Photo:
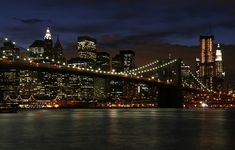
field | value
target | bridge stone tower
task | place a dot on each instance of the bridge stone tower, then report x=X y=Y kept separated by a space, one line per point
x=172 y=96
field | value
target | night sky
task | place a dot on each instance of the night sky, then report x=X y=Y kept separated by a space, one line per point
x=152 y=28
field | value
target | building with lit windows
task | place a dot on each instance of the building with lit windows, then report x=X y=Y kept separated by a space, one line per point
x=197 y=67
x=36 y=51
x=211 y=65
x=43 y=85
x=9 y=78
x=207 y=61
x=123 y=62
x=86 y=49
x=9 y=51
x=45 y=51
x=101 y=85
x=103 y=61
x=117 y=63
x=86 y=57
x=219 y=69
x=48 y=45
x=128 y=59
x=116 y=86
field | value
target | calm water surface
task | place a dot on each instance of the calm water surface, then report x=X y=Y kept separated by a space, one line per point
x=114 y=129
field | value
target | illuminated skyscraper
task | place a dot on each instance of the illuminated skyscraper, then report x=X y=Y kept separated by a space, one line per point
x=207 y=57
x=86 y=48
x=101 y=85
x=48 y=45
x=219 y=69
x=207 y=62
x=211 y=70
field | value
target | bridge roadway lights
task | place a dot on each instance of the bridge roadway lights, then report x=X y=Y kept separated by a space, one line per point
x=170 y=97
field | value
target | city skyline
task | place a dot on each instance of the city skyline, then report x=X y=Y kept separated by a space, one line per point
x=48 y=35
x=163 y=28
x=117 y=74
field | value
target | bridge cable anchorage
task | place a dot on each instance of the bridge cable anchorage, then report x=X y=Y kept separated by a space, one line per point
x=150 y=67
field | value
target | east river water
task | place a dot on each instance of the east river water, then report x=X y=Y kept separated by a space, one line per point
x=118 y=129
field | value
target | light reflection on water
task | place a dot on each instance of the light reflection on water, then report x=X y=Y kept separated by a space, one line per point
x=64 y=129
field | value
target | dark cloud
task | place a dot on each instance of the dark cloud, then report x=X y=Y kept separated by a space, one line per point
x=32 y=20
x=82 y=29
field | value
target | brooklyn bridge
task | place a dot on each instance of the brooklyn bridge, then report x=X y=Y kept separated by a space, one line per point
x=170 y=88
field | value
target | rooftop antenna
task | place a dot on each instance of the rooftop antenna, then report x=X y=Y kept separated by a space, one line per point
x=210 y=31
x=169 y=56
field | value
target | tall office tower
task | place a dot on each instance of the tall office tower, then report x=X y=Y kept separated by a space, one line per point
x=101 y=85
x=9 y=78
x=128 y=59
x=30 y=83
x=58 y=50
x=207 y=62
x=103 y=61
x=117 y=63
x=36 y=51
x=116 y=86
x=61 y=78
x=128 y=63
x=219 y=69
x=48 y=45
x=123 y=62
x=86 y=50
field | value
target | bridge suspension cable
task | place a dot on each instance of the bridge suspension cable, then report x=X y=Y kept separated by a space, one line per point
x=196 y=79
x=150 y=67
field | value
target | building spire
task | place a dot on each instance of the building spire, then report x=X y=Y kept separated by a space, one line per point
x=48 y=34
x=58 y=38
